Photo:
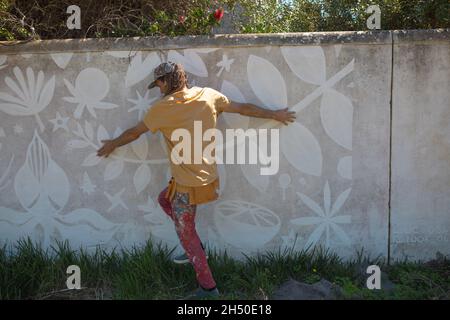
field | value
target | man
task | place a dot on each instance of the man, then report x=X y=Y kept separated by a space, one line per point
x=191 y=183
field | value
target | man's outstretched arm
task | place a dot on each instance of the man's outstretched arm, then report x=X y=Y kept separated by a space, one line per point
x=126 y=137
x=248 y=109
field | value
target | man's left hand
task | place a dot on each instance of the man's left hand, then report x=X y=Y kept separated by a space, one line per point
x=284 y=116
x=106 y=149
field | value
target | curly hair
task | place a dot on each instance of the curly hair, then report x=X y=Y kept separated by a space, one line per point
x=175 y=80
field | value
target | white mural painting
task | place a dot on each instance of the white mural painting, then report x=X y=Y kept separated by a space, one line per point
x=31 y=95
x=62 y=59
x=326 y=218
x=115 y=165
x=140 y=69
x=91 y=86
x=3 y=61
x=225 y=63
x=284 y=180
x=245 y=225
x=191 y=60
x=141 y=103
x=87 y=186
x=43 y=188
x=4 y=181
x=59 y=122
x=336 y=112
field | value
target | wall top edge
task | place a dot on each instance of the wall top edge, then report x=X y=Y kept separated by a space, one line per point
x=223 y=40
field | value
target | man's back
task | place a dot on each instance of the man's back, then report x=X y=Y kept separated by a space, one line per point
x=195 y=110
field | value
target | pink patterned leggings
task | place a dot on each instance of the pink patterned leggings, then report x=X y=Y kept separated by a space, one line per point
x=183 y=215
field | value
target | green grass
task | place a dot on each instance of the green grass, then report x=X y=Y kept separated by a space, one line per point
x=147 y=272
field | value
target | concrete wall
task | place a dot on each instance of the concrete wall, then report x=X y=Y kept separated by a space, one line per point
x=351 y=177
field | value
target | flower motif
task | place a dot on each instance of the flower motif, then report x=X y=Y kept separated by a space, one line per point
x=32 y=96
x=326 y=218
x=91 y=86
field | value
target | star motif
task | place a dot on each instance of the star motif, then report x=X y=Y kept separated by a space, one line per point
x=116 y=200
x=225 y=63
x=59 y=122
x=141 y=103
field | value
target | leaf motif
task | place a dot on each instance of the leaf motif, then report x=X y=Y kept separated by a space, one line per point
x=46 y=94
x=57 y=185
x=113 y=170
x=40 y=176
x=191 y=61
x=336 y=113
x=84 y=216
x=91 y=160
x=62 y=59
x=327 y=198
x=89 y=130
x=307 y=62
x=311 y=204
x=79 y=130
x=139 y=70
x=267 y=83
x=10 y=98
x=102 y=134
x=15 y=88
x=301 y=149
x=30 y=77
x=24 y=89
x=340 y=201
x=105 y=105
x=315 y=236
x=14 y=109
x=234 y=120
x=140 y=147
x=142 y=177
x=341 y=234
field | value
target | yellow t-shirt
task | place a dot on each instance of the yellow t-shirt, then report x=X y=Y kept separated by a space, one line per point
x=180 y=110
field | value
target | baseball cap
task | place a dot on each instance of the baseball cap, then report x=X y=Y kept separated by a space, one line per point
x=161 y=70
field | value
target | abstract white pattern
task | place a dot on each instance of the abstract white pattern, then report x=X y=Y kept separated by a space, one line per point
x=236 y=218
